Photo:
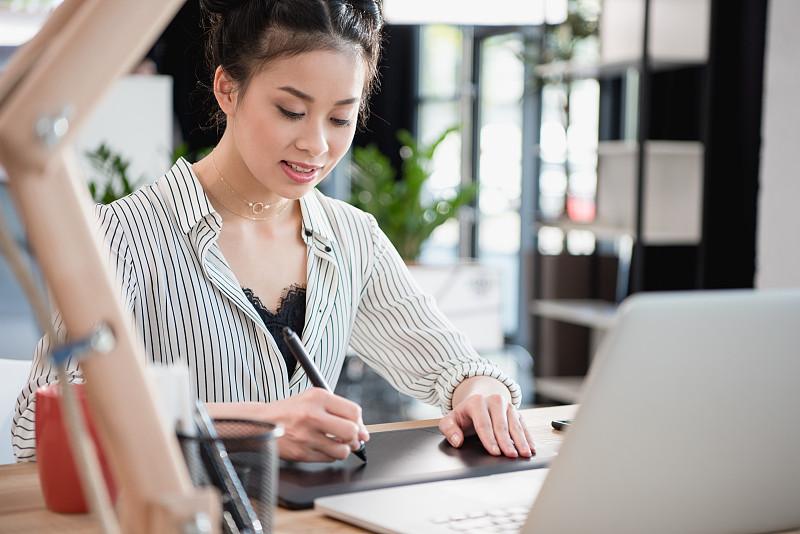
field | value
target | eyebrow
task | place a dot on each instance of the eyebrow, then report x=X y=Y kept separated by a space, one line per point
x=308 y=98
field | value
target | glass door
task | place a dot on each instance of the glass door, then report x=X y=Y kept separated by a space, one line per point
x=498 y=157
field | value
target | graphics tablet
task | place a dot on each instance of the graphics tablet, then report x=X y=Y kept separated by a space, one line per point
x=395 y=458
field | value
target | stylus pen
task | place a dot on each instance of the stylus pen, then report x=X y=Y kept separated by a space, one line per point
x=313 y=373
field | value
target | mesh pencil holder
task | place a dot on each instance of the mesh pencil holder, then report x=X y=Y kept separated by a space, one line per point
x=252 y=449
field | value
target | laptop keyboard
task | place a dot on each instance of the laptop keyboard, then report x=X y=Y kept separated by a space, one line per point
x=485 y=522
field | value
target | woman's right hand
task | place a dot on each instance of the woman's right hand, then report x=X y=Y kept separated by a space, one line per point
x=310 y=420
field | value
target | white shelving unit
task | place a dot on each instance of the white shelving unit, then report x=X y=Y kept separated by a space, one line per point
x=649 y=191
x=672 y=190
x=564 y=389
x=596 y=315
x=585 y=312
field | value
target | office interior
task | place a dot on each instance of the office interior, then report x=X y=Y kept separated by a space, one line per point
x=607 y=164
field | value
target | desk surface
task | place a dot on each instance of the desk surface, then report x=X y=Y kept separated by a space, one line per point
x=22 y=506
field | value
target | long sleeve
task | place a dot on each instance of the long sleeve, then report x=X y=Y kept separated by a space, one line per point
x=42 y=371
x=188 y=309
x=403 y=335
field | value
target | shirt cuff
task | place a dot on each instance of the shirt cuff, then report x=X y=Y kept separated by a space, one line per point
x=450 y=380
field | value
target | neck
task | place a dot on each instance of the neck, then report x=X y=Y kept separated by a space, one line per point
x=227 y=200
x=253 y=208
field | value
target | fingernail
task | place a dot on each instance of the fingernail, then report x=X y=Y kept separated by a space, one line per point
x=455 y=440
x=495 y=450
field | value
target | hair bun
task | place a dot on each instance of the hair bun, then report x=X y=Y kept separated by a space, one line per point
x=220 y=7
x=371 y=8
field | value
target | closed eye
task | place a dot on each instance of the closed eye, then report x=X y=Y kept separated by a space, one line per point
x=341 y=122
x=290 y=114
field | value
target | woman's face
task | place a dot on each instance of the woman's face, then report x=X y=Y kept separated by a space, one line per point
x=296 y=120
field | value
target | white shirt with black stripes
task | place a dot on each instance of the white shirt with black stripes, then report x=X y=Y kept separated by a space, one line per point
x=189 y=309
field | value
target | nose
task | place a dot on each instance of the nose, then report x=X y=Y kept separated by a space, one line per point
x=312 y=139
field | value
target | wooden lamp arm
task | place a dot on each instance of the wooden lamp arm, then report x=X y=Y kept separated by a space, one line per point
x=83 y=48
x=74 y=60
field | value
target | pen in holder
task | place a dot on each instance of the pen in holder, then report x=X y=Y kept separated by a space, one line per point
x=240 y=458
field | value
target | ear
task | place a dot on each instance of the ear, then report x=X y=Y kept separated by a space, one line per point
x=225 y=91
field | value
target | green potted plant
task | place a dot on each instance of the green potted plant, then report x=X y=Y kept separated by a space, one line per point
x=114 y=181
x=400 y=205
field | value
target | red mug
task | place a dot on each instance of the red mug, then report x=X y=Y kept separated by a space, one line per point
x=58 y=476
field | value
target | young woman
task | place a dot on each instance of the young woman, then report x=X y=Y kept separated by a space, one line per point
x=215 y=258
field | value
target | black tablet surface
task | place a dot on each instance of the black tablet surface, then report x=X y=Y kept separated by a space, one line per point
x=396 y=458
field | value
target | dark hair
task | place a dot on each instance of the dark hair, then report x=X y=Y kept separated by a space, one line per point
x=244 y=35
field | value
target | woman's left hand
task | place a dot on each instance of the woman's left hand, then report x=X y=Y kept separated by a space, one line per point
x=482 y=406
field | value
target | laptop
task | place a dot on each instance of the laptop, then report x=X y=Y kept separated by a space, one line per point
x=689 y=422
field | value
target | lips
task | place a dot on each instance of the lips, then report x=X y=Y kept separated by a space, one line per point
x=299 y=172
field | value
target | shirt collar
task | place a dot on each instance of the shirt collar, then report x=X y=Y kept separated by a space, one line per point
x=315 y=221
x=185 y=196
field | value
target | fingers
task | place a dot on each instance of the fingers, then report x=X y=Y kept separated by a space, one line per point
x=451 y=430
x=510 y=431
x=350 y=411
x=519 y=433
x=489 y=421
x=497 y=423
x=311 y=447
x=321 y=427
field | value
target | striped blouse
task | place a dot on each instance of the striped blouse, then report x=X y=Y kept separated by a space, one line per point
x=190 y=310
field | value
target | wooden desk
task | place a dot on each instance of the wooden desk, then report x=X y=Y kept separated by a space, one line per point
x=22 y=507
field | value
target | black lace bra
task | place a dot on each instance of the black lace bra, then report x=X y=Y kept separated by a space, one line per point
x=291 y=312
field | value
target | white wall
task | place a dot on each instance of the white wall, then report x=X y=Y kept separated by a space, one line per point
x=778 y=241
x=134 y=119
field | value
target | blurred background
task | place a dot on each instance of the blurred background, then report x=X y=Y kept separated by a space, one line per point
x=558 y=155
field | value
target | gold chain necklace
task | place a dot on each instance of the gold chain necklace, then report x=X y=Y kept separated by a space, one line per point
x=285 y=205
x=257 y=208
